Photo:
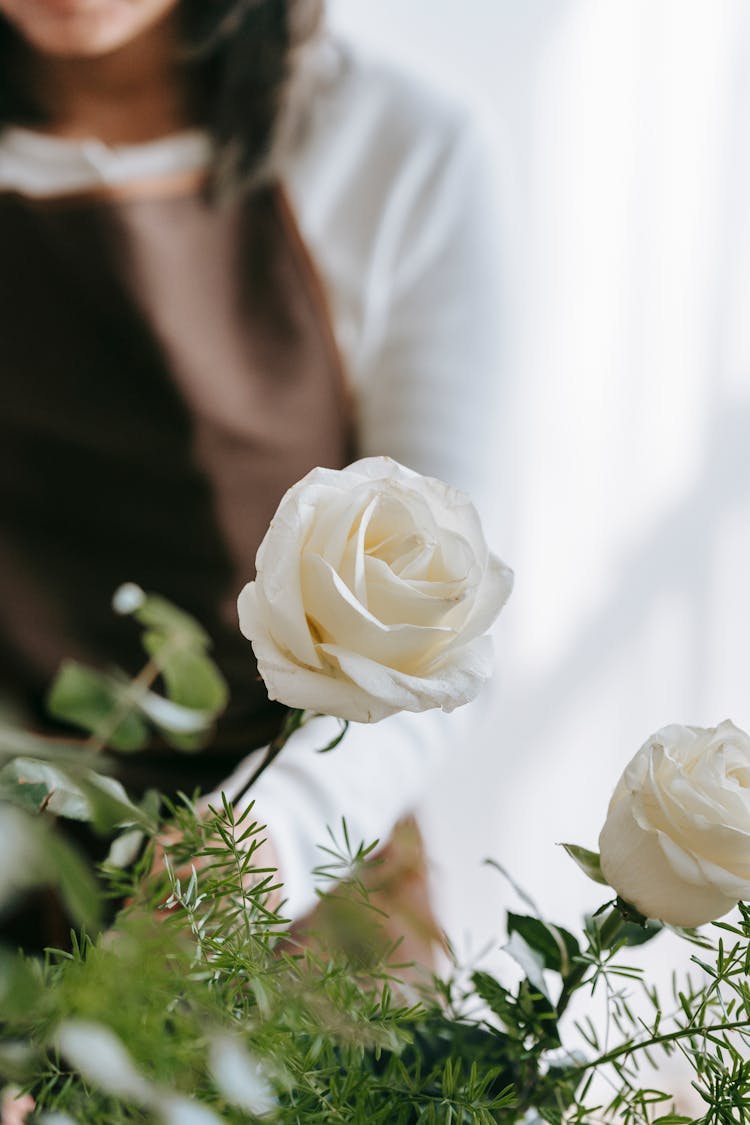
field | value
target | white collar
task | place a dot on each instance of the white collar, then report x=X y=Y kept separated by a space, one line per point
x=40 y=164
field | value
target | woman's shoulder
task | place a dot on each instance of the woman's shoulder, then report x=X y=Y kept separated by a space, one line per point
x=387 y=178
x=393 y=96
x=362 y=117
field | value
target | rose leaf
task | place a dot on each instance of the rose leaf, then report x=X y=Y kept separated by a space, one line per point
x=588 y=862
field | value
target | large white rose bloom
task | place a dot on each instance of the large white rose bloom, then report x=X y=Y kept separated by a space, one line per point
x=374 y=590
x=676 y=842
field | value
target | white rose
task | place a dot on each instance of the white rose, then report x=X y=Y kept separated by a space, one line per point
x=374 y=588
x=676 y=842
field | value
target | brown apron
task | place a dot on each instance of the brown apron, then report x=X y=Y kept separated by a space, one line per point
x=167 y=371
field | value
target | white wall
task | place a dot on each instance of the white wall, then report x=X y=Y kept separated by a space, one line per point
x=624 y=479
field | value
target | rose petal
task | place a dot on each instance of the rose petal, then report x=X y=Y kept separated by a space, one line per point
x=699 y=872
x=343 y=621
x=493 y=593
x=279 y=588
x=634 y=863
x=393 y=600
x=326 y=691
x=353 y=562
x=338 y=518
x=452 y=684
x=734 y=883
x=253 y=612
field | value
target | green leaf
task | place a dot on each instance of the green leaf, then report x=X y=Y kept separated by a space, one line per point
x=188 y=743
x=60 y=795
x=540 y=1014
x=556 y=1090
x=23 y=840
x=589 y=862
x=190 y=676
x=16 y=743
x=181 y=727
x=695 y=937
x=109 y=805
x=125 y=848
x=556 y=946
x=92 y=700
x=155 y=612
x=338 y=738
x=34 y=855
x=551 y=1114
x=530 y=961
x=173 y=717
x=26 y=795
x=77 y=885
x=517 y=888
x=637 y=933
x=19 y=1061
x=74 y=794
x=20 y=988
x=496 y=997
x=196 y=691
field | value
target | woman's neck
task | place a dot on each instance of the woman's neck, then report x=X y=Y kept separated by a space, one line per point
x=132 y=95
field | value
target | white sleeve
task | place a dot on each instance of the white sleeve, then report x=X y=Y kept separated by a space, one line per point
x=430 y=386
x=373 y=778
x=426 y=393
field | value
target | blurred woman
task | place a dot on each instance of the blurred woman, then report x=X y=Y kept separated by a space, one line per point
x=232 y=250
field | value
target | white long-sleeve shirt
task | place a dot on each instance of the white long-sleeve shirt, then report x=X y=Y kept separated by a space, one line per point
x=394 y=198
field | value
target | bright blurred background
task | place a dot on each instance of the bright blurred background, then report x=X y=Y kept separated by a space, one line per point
x=620 y=129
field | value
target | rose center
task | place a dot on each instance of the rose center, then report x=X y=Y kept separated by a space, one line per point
x=740 y=774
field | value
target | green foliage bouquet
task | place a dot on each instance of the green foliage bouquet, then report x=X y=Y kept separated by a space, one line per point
x=184 y=996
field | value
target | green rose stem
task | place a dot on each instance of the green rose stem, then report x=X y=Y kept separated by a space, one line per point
x=608 y=932
x=292 y=722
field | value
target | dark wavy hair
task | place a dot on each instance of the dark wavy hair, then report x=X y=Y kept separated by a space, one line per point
x=241 y=56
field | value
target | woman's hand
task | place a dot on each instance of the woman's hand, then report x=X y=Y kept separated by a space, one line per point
x=15 y=1107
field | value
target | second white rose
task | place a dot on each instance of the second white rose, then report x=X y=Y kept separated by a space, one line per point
x=676 y=842
x=374 y=590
